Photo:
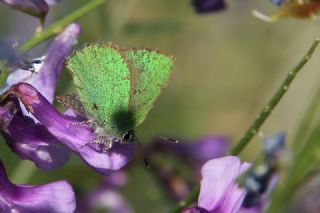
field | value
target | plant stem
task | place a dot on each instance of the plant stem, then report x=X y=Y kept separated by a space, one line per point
x=254 y=128
x=188 y=200
x=306 y=123
x=57 y=27
x=267 y=110
x=305 y=159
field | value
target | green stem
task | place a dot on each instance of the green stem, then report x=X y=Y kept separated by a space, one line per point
x=304 y=161
x=267 y=110
x=57 y=27
x=254 y=128
x=192 y=197
x=306 y=123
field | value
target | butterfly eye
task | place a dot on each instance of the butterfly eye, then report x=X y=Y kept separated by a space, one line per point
x=129 y=136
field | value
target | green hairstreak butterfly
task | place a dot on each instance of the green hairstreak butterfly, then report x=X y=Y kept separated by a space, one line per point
x=118 y=87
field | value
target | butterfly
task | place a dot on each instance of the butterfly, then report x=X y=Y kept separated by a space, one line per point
x=116 y=88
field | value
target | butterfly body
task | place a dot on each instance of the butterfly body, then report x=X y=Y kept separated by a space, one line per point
x=118 y=87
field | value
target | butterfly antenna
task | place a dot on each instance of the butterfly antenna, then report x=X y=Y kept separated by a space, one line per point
x=166 y=139
x=145 y=160
x=146 y=163
x=160 y=137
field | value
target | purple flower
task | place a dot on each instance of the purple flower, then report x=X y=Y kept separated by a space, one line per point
x=219 y=191
x=38 y=8
x=29 y=139
x=73 y=136
x=273 y=145
x=289 y=8
x=193 y=153
x=47 y=73
x=260 y=181
x=54 y=124
x=204 y=6
x=258 y=189
x=107 y=196
x=278 y=2
x=52 y=2
x=32 y=141
x=306 y=197
x=54 y=197
x=199 y=151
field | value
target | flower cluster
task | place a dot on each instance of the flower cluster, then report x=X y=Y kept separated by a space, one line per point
x=205 y=6
x=37 y=8
x=36 y=131
x=221 y=194
x=53 y=197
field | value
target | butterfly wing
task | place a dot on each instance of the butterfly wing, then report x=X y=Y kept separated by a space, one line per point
x=150 y=73
x=102 y=78
x=72 y=101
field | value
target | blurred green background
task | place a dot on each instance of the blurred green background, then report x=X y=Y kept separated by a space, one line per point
x=228 y=65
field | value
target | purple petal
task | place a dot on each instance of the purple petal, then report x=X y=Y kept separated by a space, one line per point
x=235 y=196
x=52 y=2
x=233 y=200
x=203 y=149
x=107 y=199
x=263 y=200
x=279 y=2
x=106 y=196
x=200 y=151
x=254 y=209
x=203 y=6
x=218 y=177
x=208 y=148
x=33 y=142
x=47 y=75
x=194 y=210
x=116 y=179
x=38 y=8
x=5 y=117
x=55 y=197
x=306 y=196
x=73 y=136
x=59 y=50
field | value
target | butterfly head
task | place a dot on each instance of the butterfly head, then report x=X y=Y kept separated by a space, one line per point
x=128 y=137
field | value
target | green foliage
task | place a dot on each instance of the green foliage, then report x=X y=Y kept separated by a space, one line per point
x=4 y=72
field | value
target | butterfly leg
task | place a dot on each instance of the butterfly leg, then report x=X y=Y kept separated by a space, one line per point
x=107 y=144
x=106 y=141
x=91 y=142
x=87 y=122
